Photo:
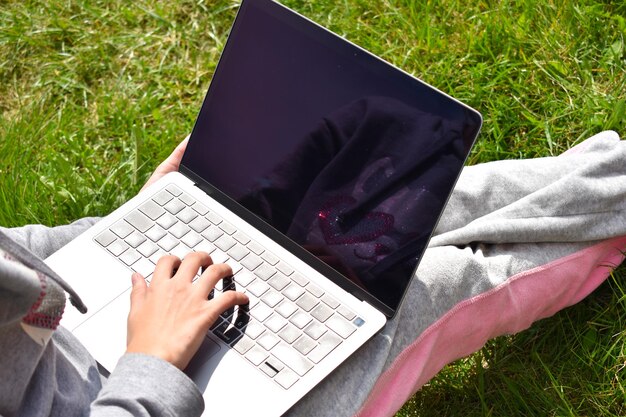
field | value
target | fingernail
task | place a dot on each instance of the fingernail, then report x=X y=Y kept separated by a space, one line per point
x=135 y=278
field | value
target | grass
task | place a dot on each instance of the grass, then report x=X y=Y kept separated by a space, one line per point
x=94 y=93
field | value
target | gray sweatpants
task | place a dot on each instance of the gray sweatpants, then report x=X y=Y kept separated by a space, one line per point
x=519 y=240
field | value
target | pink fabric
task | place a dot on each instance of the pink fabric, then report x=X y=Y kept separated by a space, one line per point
x=511 y=307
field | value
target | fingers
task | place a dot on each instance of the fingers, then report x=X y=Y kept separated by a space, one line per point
x=227 y=300
x=192 y=263
x=165 y=269
x=138 y=291
x=177 y=154
x=211 y=275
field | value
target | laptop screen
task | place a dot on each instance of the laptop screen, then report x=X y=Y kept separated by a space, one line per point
x=341 y=152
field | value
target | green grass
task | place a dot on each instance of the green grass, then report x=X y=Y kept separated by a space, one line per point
x=94 y=94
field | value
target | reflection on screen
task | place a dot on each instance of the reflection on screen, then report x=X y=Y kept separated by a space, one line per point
x=346 y=156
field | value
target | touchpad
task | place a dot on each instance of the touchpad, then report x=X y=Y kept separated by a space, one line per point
x=207 y=349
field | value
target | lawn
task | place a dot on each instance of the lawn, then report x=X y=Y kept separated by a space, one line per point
x=93 y=94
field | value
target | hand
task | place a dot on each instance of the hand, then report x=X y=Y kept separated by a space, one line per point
x=170 y=318
x=170 y=164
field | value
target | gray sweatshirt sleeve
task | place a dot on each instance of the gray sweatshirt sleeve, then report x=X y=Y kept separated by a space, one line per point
x=143 y=385
x=44 y=370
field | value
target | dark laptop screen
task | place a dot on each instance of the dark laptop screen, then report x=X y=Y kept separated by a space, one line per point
x=345 y=155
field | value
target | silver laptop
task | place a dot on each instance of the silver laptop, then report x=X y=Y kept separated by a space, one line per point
x=318 y=172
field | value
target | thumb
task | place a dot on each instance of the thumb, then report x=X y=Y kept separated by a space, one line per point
x=138 y=290
x=177 y=155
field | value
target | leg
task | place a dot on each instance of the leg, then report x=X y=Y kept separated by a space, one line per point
x=43 y=241
x=519 y=240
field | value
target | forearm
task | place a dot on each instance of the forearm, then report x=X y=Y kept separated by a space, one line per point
x=143 y=385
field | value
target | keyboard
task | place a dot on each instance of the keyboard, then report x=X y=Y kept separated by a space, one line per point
x=290 y=324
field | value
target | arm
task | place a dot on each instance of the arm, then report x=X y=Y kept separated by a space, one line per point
x=166 y=325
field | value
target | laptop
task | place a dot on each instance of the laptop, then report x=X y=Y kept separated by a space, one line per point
x=318 y=172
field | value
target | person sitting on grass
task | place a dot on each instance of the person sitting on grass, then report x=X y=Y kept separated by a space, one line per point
x=519 y=240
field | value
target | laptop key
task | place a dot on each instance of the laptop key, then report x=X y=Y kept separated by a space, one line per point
x=181 y=250
x=105 y=238
x=187 y=214
x=205 y=246
x=191 y=239
x=167 y=243
x=261 y=311
x=174 y=206
x=122 y=229
x=162 y=197
x=346 y=312
x=139 y=221
x=155 y=233
x=315 y=330
x=241 y=237
x=302 y=281
x=255 y=248
x=307 y=302
x=257 y=288
x=154 y=258
x=199 y=224
x=200 y=208
x=275 y=363
x=130 y=256
x=117 y=247
x=166 y=221
x=135 y=239
x=326 y=344
x=151 y=209
x=244 y=277
x=235 y=266
x=264 y=271
x=322 y=312
x=242 y=318
x=267 y=341
x=227 y=227
x=225 y=242
x=340 y=326
x=218 y=257
x=284 y=268
x=278 y=281
x=144 y=267
x=251 y=262
x=275 y=323
x=227 y=333
x=271 y=298
x=330 y=301
x=315 y=290
x=293 y=291
x=174 y=190
x=147 y=248
x=213 y=218
x=286 y=378
x=256 y=355
x=253 y=329
x=289 y=333
x=304 y=344
x=243 y=344
x=212 y=233
x=186 y=198
x=270 y=258
x=300 y=319
x=292 y=358
x=286 y=309
x=268 y=370
x=179 y=230
x=238 y=252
